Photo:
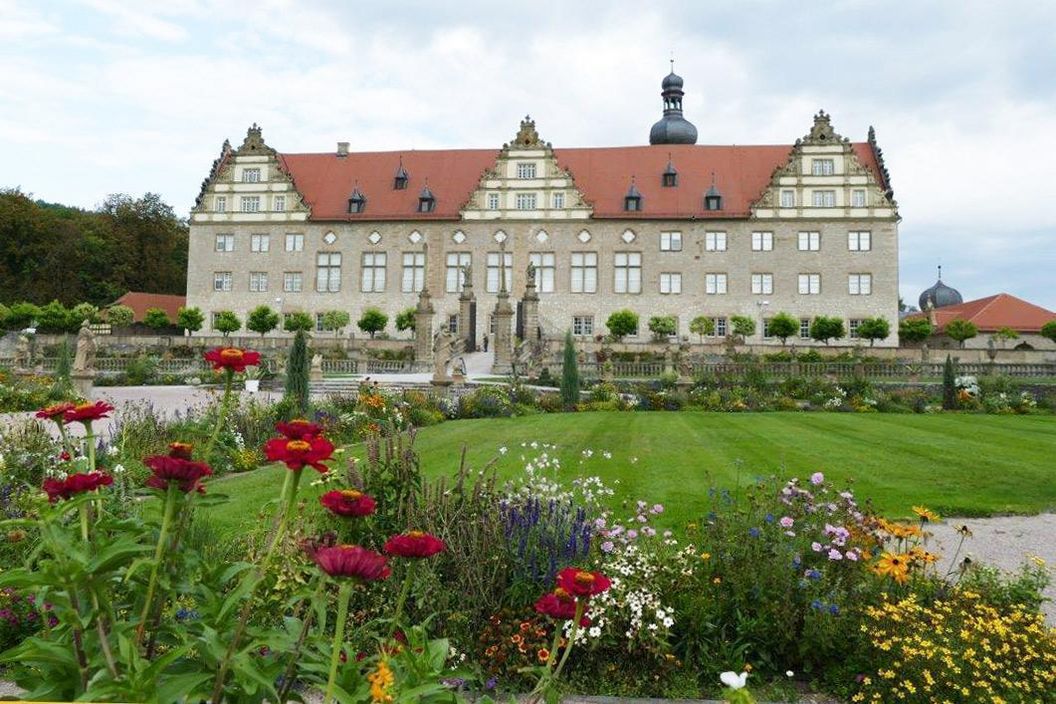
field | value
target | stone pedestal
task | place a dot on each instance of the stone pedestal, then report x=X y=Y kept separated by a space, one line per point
x=467 y=314
x=83 y=383
x=423 y=331
x=316 y=371
x=530 y=306
x=503 y=343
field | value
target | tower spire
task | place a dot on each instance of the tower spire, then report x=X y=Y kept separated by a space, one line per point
x=672 y=128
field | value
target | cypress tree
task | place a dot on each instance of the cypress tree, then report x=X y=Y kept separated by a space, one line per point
x=63 y=386
x=949 y=385
x=570 y=373
x=297 y=370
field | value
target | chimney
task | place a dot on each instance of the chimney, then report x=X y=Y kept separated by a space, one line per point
x=342 y=148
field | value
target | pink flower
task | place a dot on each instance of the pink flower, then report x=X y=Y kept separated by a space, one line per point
x=817 y=478
x=815 y=546
x=658 y=508
x=835 y=554
x=851 y=555
x=632 y=534
x=787 y=522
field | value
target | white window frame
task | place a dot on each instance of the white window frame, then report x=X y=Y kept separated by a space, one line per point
x=557 y=200
x=671 y=282
x=809 y=284
x=671 y=241
x=788 y=198
x=721 y=327
x=251 y=174
x=716 y=284
x=860 y=284
x=412 y=279
x=493 y=201
x=859 y=241
x=809 y=241
x=372 y=272
x=294 y=242
x=525 y=201
x=292 y=281
x=249 y=204
x=220 y=204
x=822 y=167
x=260 y=243
x=584 y=272
x=627 y=272
x=715 y=241
x=453 y=273
x=225 y=243
x=804 y=328
x=824 y=198
x=258 y=281
x=493 y=279
x=852 y=328
x=222 y=281
x=279 y=204
x=763 y=241
x=328 y=272
x=526 y=169
x=545 y=270
x=762 y=284
x=858 y=198
x=583 y=325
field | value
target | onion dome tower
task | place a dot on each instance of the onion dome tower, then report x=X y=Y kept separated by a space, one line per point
x=939 y=295
x=672 y=128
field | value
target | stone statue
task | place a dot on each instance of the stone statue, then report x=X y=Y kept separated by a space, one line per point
x=442 y=352
x=316 y=372
x=925 y=353
x=84 y=359
x=530 y=275
x=467 y=276
x=22 y=353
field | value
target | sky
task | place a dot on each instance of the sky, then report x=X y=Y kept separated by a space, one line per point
x=110 y=96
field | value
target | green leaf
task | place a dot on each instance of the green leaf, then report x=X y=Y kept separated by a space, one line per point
x=179 y=687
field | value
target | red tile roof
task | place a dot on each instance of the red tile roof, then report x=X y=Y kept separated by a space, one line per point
x=993 y=313
x=139 y=302
x=602 y=174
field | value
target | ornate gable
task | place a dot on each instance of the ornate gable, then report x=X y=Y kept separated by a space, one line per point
x=526 y=183
x=249 y=184
x=825 y=178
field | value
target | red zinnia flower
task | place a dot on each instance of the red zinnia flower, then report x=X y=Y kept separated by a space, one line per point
x=352 y=561
x=348 y=502
x=414 y=543
x=560 y=606
x=181 y=450
x=299 y=429
x=298 y=453
x=171 y=468
x=87 y=412
x=579 y=582
x=75 y=484
x=232 y=359
x=55 y=411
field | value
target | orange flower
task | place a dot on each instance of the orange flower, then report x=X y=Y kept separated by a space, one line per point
x=543 y=654
x=516 y=638
x=926 y=515
x=894 y=566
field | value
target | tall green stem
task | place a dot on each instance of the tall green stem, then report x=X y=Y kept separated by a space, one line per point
x=84 y=522
x=402 y=600
x=65 y=437
x=339 y=638
x=166 y=522
x=580 y=607
x=89 y=441
x=225 y=405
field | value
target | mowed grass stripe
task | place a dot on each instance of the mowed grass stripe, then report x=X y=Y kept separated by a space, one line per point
x=957 y=464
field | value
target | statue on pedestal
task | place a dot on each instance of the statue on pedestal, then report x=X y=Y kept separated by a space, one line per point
x=84 y=358
x=467 y=276
x=529 y=275
x=316 y=372
x=22 y=354
x=442 y=353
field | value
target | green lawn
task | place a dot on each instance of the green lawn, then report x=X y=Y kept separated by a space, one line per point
x=957 y=464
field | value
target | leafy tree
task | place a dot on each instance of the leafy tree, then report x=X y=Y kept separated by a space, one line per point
x=914 y=330
x=54 y=317
x=663 y=326
x=120 y=316
x=190 y=319
x=949 y=385
x=622 y=323
x=156 y=319
x=81 y=312
x=570 y=373
x=960 y=330
x=297 y=374
x=1005 y=334
x=227 y=322
x=783 y=326
x=4 y=312
x=742 y=325
x=1049 y=330
x=824 y=328
x=22 y=315
x=874 y=329
x=336 y=320
x=405 y=319
x=262 y=319
x=297 y=321
x=702 y=325
x=372 y=321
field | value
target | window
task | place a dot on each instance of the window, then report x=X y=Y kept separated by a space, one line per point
x=291 y=282
x=221 y=280
x=715 y=241
x=413 y=272
x=225 y=243
x=584 y=272
x=492 y=283
x=715 y=284
x=452 y=323
x=809 y=241
x=669 y=179
x=852 y=328
x=319 y=325
x=525 y=169
x=809 y=284
x=859 y=241
x=258 y=281
x=544 y=271
x=250 y=175
x=557 y=200
x=453 y=278
x=249 y=204
x=220 y=204
x=357 y=203
x=671 y=283
x=824 y=199
x=670 y=241
x=583 y=325
x=858 y=198
x=214 y=318
x=328 y=272
x=720 y=327
x=426 y=202
x=493 y=201
x=762 y=284
x=860 y=284
x=822 y=167
x=632 y=203
x=372 y=279
x=525 y=201
x=788 y=199
x=259 y=243
x=766 y=329
x=804 y=328
x=294 y=242
x=280 y=203
x=762 y=241
x=627 y=272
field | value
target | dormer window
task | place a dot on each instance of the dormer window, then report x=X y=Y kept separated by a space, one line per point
x=525 y=169
x=669 y=179
x=357 y=202
x=713 y=199
x=399 y=181
x=632 y=202
x=250 y=175
x=426 y=201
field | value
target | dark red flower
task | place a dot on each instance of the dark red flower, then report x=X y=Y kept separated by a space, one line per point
x=579 y=582
x=232 y=359
x=87 y=412
x=75 y=484
x=56 y=411
x=299 y=429
x=414 y=543
x=560 y=606
x=348 y=502
x=181 y=450
x=184 y=473
x=299 y=453
x=354 y=562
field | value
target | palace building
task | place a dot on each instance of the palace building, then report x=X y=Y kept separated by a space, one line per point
x=669 y=228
